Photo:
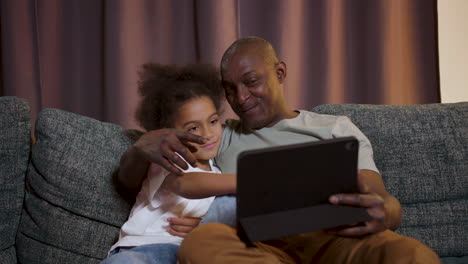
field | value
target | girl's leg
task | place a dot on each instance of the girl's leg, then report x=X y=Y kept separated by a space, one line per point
x=146 y=254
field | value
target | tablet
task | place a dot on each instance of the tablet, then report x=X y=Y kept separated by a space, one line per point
x=284 y=190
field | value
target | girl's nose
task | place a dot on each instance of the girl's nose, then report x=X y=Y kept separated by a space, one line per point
x=208 y=134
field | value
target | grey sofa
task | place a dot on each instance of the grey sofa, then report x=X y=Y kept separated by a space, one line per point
x=59 y=203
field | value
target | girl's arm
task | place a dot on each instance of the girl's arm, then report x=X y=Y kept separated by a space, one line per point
x=197 y=185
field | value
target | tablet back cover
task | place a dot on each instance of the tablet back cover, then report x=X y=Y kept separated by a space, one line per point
x=284 y=190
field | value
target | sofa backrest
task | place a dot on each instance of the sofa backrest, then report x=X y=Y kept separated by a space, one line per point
x=72 y=211
x=422 y=154
x=15 y=140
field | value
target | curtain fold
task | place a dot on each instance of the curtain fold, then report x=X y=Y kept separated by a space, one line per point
x=84 y=55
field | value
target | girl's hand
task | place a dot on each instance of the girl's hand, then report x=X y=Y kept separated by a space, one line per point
x=181 y=226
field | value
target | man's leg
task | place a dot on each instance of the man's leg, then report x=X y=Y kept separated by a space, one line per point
x=218 y=243
x=384 y=247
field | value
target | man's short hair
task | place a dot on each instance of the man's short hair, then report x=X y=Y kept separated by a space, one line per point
x=263 y=45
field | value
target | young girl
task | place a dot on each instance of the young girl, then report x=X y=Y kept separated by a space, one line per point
x=187 y=99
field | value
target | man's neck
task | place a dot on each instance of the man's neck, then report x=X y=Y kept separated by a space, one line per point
x=288 y=114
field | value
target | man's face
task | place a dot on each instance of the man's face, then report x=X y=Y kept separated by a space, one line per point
x=253 y=88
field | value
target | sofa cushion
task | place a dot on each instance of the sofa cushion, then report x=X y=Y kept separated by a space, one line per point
x=454 y=260
x=422 y=153
x=72 y=211
x=15 y=140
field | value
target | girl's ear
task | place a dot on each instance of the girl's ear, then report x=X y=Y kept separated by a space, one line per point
x=281 y=71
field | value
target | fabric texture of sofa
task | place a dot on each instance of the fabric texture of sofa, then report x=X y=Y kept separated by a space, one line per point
x=422 y=154
x=59 y=203
x=15 y=140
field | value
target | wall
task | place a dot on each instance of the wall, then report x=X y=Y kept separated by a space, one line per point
x=453 y=50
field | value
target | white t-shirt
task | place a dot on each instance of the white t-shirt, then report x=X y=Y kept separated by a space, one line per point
x=154 y=204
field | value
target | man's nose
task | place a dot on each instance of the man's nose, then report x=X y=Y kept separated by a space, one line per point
x=243 y=94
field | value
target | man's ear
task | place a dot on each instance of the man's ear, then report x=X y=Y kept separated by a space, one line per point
x=281 y=71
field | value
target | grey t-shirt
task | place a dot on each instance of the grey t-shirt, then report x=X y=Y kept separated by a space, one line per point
x=306 y=127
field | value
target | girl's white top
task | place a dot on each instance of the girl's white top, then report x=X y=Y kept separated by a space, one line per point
x=147 y=222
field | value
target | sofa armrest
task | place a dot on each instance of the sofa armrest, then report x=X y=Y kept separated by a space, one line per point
x=15 y=140
x=72 y=210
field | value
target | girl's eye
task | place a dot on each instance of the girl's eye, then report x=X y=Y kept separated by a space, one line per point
x=192 y=129
x=214 y=121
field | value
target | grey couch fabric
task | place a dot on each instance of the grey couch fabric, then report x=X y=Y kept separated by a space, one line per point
x=72 y=212
x=422 y=154
x=15 y=140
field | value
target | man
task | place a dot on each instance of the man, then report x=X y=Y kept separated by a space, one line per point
x=253 y=79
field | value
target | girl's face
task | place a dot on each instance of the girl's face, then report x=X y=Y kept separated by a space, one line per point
x=199 y=116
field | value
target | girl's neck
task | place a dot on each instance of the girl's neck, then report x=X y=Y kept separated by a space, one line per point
x=204 y=165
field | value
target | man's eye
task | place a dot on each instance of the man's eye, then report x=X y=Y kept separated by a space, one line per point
x=228 y=91
x=250 y=82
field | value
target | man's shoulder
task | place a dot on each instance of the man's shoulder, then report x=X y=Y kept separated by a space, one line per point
x=234 y=126
x=317 y=115
x=232 y=123
x=309 y=117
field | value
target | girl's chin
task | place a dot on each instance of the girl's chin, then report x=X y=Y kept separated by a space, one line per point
x=204 y=159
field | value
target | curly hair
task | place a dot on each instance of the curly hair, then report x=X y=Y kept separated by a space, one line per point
x=164 y=88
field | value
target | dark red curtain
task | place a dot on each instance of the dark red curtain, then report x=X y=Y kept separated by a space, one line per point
x=83 y=55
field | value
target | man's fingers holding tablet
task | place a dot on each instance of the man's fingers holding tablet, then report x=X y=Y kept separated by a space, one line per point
x=359 y=200
x=358 y=230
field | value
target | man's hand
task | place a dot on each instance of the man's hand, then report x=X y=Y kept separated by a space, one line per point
x=384 y=209
x=181 y=226
x=376 y=209
x=160 y=147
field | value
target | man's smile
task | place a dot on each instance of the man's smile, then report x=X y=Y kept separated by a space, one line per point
x=248 y=107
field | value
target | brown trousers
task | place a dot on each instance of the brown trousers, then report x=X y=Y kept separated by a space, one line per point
x=217 y=243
